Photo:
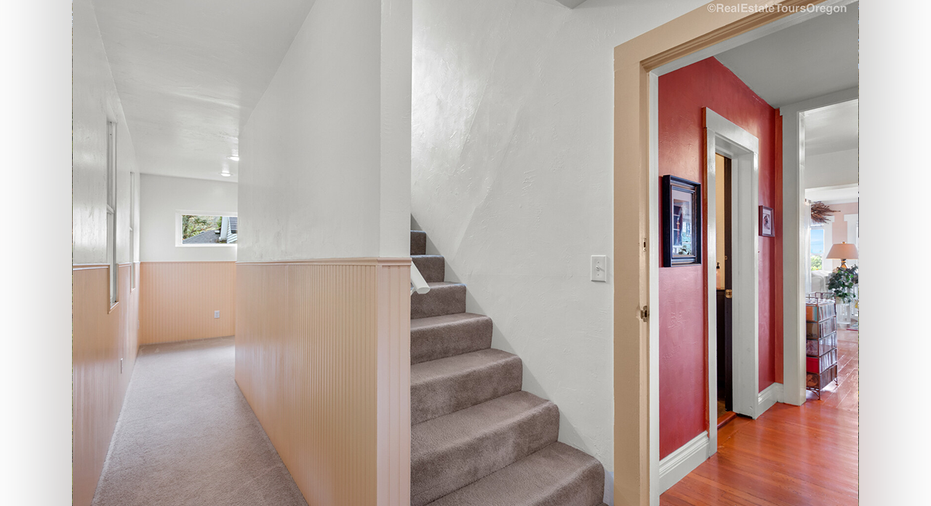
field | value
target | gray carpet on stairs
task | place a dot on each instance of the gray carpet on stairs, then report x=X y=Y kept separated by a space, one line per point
x=476 y=438
x=418 y=242
x=187 y=436
x=431 y=267
x=557 y=475
x=446 y=385
x=449 y=335
x=452 y=451
x=442 y=299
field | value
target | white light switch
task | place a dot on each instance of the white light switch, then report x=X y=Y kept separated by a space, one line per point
x=216 y=314
x=599 y=268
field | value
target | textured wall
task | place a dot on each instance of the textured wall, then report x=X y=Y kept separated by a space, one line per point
x=512 y=181
x=324 y=157
x=162 y=197
x=101 y=338
x=94 y=103
x=682 y=318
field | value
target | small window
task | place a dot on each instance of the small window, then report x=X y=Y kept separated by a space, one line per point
x=111 y=213
x=817 y=248
x=208 y=230
x=132 y=230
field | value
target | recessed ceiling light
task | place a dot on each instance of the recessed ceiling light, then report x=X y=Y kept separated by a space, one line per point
x=225 y=174
x=234 y=158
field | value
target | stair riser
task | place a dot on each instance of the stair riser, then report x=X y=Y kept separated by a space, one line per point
x=439 y=301
x=439 y=473
x=418 y=242
x=554 y=476
x=432 y=268
x=446 y=395
x=441 y=341
x=587 y=490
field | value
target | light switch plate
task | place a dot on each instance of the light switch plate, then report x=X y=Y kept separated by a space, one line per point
x=216 y=314
x=600 y=268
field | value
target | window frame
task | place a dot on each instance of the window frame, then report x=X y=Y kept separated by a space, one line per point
x=132 y=231
x=179 y=228
x=111 y=207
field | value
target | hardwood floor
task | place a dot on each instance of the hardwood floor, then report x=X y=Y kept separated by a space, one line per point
x=791 y=455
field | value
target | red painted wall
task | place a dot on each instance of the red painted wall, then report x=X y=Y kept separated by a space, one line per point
x=683 y=375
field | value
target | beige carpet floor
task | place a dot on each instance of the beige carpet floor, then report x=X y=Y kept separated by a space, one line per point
x=187 y=436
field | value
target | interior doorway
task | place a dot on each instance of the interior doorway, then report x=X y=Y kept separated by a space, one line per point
x=725 y=292
x=638 y=65
x=740 y=151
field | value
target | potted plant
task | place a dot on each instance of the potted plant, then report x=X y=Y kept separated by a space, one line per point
x=842 y=282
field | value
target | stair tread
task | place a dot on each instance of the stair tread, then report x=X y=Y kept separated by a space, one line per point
x=446 y=319
x=459 y=364
x=451 y=451
x=436 y=337
x=534 y=480
x=465 y=425
x=443 y=298
x=446 y=385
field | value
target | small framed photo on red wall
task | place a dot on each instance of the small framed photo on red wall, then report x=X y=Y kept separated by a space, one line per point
x=767 y=222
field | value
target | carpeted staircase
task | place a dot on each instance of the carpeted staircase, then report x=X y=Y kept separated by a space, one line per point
x=477 y=439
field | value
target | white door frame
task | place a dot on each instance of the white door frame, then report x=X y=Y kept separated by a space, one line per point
x=796 y=249
x=726 y=138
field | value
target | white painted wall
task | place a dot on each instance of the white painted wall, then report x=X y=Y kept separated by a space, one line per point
x=512 y=180
x=95 y=101
x=832 y=169
x=163 y=197
x=325 y=155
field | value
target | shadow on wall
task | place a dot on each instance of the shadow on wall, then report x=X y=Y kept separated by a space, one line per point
x=568 y=433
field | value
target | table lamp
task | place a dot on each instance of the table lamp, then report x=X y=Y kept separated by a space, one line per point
x=842 y=252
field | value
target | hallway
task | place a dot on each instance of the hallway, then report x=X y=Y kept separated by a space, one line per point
x=187 y=436
x=791 y=455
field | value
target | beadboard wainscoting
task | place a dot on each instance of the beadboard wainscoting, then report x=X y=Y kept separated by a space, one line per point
x=104 y=341
x=179 y=300
x=323 y=358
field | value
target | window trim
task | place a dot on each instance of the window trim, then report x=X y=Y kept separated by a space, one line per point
x=132 y=232
x=111 y=207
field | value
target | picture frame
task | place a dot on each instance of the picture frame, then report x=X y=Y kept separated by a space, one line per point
x=767 y=222
x=681 y=220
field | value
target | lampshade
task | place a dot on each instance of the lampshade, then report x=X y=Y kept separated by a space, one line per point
x=843 y=251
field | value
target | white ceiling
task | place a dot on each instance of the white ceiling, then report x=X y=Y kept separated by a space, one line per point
x=189 y=74
x=810 y=59
x=832 y=128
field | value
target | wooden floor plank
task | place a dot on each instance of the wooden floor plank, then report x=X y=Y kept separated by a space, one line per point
x=791 y=455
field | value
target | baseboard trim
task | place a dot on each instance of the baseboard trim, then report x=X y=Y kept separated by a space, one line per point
x=768 y=398
x=682 y=461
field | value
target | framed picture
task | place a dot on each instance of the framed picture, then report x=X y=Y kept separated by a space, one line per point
x=681 y=221
x=767 y=223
